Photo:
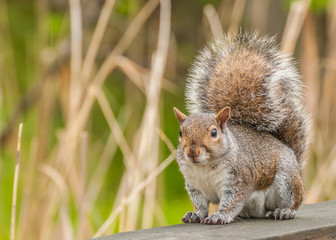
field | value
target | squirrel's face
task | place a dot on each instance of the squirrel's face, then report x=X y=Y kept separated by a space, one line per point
x=201 y=135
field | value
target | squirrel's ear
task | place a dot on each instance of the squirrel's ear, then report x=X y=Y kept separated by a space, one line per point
x=179 y=115
x=222 y=116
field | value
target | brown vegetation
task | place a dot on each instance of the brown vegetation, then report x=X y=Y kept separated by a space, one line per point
x=62 y=180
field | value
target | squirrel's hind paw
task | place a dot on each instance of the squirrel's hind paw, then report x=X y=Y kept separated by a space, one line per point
x=281 y=214
x=216 y=218
x=186 y=217
x=191 y=217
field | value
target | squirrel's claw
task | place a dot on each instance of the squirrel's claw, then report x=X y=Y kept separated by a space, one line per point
x=186 y=217
x=215 y=218
x=195 y=218
x=191 y=217
x=281 y=214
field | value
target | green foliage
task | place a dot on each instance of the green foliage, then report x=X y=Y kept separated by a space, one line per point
x=7 y=165
x=317 y=6
x=27 y=33
x=127 y=7
x=56 y=25
x=320 y=6
x=213 y=2
x=22 y=26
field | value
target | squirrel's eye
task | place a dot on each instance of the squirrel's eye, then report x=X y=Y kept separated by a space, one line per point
x=180 y=133
x=214 y=133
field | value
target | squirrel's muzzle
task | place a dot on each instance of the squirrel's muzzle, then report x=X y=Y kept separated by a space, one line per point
x=193 y=153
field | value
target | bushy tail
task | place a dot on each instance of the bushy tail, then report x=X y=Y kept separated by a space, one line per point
x=260 y=84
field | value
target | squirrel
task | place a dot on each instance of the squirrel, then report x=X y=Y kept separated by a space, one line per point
x=243 y=144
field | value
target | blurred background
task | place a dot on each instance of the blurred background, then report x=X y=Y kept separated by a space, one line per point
x=94 y=84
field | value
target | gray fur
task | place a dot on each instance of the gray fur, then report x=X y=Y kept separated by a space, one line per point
x=283 y=87
x=229 y=180
x=253 y=168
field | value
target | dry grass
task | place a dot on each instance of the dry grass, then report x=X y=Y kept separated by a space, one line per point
x=58 y=187
x=15 y=184
x=64 y=177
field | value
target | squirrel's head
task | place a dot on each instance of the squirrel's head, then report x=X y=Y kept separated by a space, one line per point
x=201 y=135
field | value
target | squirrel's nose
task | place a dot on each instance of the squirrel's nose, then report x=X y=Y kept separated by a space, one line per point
x=193 y=153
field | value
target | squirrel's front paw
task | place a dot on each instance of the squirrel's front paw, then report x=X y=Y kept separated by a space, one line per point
x=191 y=217
x=281 y=214
x=216 y=218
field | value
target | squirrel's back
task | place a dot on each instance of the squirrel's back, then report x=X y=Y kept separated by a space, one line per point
x=260 y=84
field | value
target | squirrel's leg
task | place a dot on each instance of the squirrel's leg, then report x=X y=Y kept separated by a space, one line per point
x=285 y=195
x=230 y=205
x=254 y=207
x=200 y=206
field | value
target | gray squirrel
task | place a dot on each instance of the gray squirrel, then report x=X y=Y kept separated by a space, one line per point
x=243 y=144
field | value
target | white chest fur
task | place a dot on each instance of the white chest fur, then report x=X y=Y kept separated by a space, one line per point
x=210 y=181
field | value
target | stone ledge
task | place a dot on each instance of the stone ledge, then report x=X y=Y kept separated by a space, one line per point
x=313 y=221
